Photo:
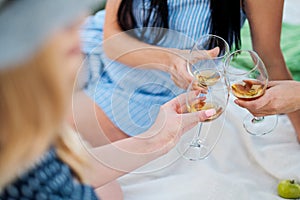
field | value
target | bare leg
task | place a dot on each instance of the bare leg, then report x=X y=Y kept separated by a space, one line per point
x=110 y=191
x=89 y=120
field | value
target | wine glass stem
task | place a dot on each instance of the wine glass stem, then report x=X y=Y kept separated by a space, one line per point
x=257 y=119
x=197 y=141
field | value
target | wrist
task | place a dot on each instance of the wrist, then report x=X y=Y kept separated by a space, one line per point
x=156 y=145
x=168 y=59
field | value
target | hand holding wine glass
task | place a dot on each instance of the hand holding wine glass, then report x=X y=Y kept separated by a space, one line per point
x=249 y=80
x=177 y=67
x=201 y=98
x=206 y=58
x=279 y=98
x=211 y=86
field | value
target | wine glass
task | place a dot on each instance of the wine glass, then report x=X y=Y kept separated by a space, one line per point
x=204 y=97
x=249 y=79
x=205 y=64
x=211 y=84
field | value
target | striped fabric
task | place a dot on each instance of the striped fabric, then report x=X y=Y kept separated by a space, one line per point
x=131 y=97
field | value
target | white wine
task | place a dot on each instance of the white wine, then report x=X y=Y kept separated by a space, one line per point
x=208 y=77
x=248 y=90
x=202 y=105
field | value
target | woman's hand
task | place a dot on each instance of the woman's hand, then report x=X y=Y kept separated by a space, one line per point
x=173 y=121
x=280 y=97
x=178 y=66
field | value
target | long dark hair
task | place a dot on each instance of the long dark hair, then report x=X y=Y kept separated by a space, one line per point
x=159 y=7
x=225 y=15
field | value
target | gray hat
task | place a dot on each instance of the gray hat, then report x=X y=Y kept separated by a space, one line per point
x=25 y=24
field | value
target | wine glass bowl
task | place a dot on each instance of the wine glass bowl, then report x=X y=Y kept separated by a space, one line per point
x=200 y=98
x=208 y=50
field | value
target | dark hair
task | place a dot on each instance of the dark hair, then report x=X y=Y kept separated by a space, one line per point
x=4 y=3
x=127 y=21
x=225 y=14
x=226 y=21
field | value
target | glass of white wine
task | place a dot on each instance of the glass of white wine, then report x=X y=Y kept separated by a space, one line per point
x=200 y=97
x=206 y=64
x=206 y=59
x=249 y=80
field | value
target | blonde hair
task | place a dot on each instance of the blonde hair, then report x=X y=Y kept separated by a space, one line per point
x=33 y=101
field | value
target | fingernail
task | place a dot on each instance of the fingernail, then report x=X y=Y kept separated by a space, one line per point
x=210 y=112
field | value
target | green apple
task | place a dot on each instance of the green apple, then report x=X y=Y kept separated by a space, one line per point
x=288 y=189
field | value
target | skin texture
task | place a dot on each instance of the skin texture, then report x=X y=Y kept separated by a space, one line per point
x=265 y=19
x=130 y=153
x=280 y=97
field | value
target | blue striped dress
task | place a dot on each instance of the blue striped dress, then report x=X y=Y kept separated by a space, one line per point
x=131 y=97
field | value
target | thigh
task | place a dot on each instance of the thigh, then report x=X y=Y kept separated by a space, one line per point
x=91 y=122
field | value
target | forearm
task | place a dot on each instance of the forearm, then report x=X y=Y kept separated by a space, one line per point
x=265 y=26
x=120 y=46
x=114 y=160
x=274 y=61
x=129 y=51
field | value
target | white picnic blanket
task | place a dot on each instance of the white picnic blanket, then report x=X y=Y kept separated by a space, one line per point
x=241 y=166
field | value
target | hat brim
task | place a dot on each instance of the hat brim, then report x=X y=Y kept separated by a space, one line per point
x=26 y=24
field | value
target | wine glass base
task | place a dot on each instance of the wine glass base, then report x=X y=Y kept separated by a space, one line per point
x=260 y=127
x=193 y=151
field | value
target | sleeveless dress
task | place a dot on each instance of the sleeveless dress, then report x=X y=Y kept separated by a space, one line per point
x=49 y=179
x=131 y=97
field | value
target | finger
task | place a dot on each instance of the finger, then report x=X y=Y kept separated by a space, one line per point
x=272 y=83
x=182 y=80
x=197 y=87
x=184 y=108
x=180 y=100
x=252 y=105
x=253 y=82
x=181 y=53
x=179 y=82
x=189 y=120
x=214 y=52
x=256 y=109
x=243 y=104
x=184 y=72
x=204 y=54
x=178 y=104
x=258 y=114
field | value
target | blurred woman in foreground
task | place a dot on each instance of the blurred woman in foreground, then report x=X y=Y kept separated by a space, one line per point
x=40 y=157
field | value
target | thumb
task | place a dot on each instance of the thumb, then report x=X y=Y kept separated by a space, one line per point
x=214 y=52
x=240 y=103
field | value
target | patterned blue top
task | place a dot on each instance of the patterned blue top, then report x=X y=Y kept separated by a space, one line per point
x=131 y=97
x=50 y=179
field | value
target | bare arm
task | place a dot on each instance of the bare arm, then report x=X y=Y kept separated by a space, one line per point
x=265 y=19
x=279 y=98
x=128 y=50
x=121 y=157
x=120 y=46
